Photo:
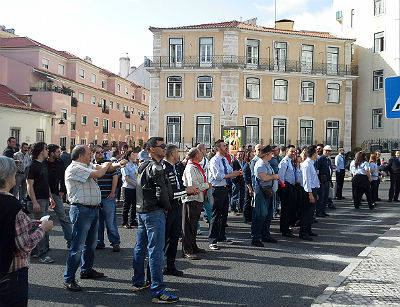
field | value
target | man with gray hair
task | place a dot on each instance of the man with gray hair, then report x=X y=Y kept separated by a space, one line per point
x=85 y=198
x=22 y=160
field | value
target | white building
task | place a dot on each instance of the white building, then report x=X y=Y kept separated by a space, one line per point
x=376 y=27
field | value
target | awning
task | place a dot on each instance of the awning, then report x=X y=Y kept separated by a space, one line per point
x=46 y=75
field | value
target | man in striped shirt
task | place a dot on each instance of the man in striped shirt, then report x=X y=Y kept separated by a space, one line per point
x=107 y=215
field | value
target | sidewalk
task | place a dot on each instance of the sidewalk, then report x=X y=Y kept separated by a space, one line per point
x=372 y=279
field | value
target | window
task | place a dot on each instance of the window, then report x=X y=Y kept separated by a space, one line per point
x=173 y=129
x=144 y=97
x=120 y=125
x=63 y=141
x=252 y=125
x=206 y=50
x=73 y=122
x=15 y=133
x=81 y=97
x=125 y=108
x=306 y=132
x=134 y=127
x=279 y=130
x=132 y=110
x=81 y=73
x=93 y=78
x=118 y=106
x=307 y=58
x=252 y=88
x=332 y=60
x=379 y=42
x=378 y=80
x=351 y=17
x=72 y=142
x=307 y=91
x=332 y=133
x=118 y=87
x=127 y=128
x=103 y=84
x=83 y=141
x=175 y=51
x=93 y=100
x=126 y=90
x=105 y=125
x=280 y=53
x=39 y=136
x=45 y=63
x=252 y=51
x=145 y=128
x=61 y=69
x=113 y=124
x=83 y=120
x=280 y=90
x=378 y=7
x=333 y=93
x=203 y=130
x=138 y=112
x=174 y=87
x=63 y=114
x=140 y=128
x=96 y=121
x=204 y=87
x=377 y=118
x=103 y=103
x=111 y=105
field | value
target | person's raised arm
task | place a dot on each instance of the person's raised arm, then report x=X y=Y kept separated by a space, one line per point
x=100 y=170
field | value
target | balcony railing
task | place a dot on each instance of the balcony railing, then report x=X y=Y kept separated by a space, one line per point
x=105 y=110
x=74 y=102
x=384 y=145
x=50 y=87
x=127 y=115
x=226 y=61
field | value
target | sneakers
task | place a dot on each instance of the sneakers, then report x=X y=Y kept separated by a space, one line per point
x=72 y=286
x=93 y=274
x=46 y=259
x=136 y=288
x=165 y=298
x=213 y=247
x=116 y=248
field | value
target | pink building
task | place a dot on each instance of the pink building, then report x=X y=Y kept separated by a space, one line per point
x=96 y=105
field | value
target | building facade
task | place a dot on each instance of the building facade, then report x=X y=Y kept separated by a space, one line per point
x=95 y=105
x=375 y=26
x=281 y=86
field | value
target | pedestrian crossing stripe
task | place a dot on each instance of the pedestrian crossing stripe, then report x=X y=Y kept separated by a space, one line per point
x=396 y=106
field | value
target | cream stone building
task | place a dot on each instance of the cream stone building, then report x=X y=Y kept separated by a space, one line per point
x=279 y=85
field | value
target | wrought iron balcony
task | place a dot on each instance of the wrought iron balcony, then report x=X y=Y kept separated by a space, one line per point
x=242 y=62
x=127 y=114
x=74 y=102
x=105 y=110
x=384 y=145
x=50 y=87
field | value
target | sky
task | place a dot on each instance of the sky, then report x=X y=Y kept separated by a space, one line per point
x=107 y=30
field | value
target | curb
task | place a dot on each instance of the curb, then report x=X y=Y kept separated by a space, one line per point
x=321 y=301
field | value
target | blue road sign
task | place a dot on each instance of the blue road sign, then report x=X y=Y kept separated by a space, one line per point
x=392 y=93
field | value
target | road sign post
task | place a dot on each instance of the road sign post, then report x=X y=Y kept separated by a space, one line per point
x=392 y=93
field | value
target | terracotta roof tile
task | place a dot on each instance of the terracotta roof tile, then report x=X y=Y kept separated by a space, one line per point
x=245 y=26
x=8 y=98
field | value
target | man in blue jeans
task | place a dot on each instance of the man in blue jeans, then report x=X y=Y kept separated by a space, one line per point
x=153 y=193
x=85 y=197
x=107 y=214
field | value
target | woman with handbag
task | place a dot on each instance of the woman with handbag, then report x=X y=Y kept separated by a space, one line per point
x=361 y=181
x=266 y=185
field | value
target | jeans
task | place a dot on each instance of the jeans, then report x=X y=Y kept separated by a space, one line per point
x=19 y=190
x=260 y=225
x=323 y=194
x=84 y=238
x=151 y=233
x=237 y=199
x=43 y=246
x=14 y=289
x=62 y=217
x=108 y=216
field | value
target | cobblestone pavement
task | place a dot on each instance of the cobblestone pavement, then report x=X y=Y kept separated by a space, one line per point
x=372 y=280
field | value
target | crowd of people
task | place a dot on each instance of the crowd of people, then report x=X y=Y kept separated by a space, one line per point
x=164 y=196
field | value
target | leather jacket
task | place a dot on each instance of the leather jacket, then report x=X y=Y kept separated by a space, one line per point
x=153 y=190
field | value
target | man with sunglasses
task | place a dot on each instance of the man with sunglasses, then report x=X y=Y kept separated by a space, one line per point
x=153 y=194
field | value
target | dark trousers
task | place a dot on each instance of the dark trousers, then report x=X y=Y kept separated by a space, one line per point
x=14 y=289
x=287 y=208
x=190 y=216
x=339 y=183
x=247 y=208
x=323 y=197
x=129 y=205
x=173 y=229
x=394 y=186
x=307 y=212
x=361 y=186
x=220 y=214
x=374 y=190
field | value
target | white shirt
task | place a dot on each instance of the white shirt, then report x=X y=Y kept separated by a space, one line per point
x=310 y=177
x=80 y=188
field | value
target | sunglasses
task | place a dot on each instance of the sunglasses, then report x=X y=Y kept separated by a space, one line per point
x=99 y=152
x=162 y=146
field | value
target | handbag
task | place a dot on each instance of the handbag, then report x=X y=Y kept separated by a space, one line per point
x=267 y=190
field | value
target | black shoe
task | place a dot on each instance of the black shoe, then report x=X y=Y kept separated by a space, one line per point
x=100 y=247
x=356 y=207
x=332 y=207
x=378 y=199
x=173 y=272
x=315 y=220
x=396 y=200
x=68 y=245
x=93 y=274
x=320 y=215
x=306 y=237
x=116 y=248
x=389 y=200
x=325 y=214
x=257 y=243
x=72 y=286
x=372 y=207
x=134 y=224
x=288 y=235
x=269 y=240
x=312 y=234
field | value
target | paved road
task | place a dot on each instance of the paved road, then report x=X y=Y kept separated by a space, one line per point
x=289 y=273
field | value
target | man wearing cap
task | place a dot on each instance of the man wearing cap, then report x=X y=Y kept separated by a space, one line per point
x=324 y=170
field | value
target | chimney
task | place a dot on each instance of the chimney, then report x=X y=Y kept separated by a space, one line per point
x=284 y=24
x=124 y=65
x=88 y=59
